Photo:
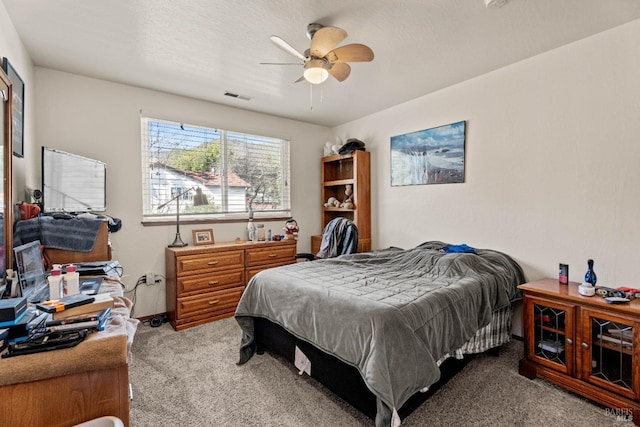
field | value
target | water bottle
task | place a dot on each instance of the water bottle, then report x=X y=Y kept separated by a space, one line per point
x=251 y=227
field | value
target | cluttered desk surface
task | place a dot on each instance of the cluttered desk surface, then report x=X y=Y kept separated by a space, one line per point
x=89 y=332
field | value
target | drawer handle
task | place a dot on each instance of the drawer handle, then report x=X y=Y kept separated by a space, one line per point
x=273 y=255
x=214 y=302
x=212 y=262
x=215 y=282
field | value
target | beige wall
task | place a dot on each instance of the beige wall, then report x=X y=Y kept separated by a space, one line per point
x=552 y=152
x=552 y=155
x=101 y=120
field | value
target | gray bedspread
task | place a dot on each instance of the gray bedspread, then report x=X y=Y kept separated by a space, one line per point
x=390 y=313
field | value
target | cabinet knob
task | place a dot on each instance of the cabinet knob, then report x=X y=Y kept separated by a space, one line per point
x=212 y=262
x=569 y=341
x=585 y=345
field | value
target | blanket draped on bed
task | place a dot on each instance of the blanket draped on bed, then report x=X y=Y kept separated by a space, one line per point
x=390 y=313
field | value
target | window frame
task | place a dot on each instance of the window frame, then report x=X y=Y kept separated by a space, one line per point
x=152 y=218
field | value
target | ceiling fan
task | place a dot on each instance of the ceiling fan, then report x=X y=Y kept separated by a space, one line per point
x=323 y=58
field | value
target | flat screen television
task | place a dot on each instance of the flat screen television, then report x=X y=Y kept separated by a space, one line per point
x=72 y=183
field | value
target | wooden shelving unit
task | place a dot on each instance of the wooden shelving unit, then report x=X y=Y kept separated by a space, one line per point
x=337 y=172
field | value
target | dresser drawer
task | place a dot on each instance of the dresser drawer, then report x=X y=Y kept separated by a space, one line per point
x=252 y=271
x=211 y=303
x=210 y=281
x=215 y=261
x=271 y=255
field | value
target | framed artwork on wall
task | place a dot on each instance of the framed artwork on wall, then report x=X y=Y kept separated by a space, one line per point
x=430 y=156
x=18 y=108
x=203 y=237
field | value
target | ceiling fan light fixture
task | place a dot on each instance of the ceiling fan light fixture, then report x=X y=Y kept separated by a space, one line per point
x=315 y=72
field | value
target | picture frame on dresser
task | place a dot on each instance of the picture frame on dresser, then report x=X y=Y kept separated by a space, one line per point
x=17 y=119
x=203 y=237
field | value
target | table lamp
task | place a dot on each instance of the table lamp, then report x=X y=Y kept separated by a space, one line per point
x=177 y=242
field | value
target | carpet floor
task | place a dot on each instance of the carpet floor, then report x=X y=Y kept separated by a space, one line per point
x=190 y=378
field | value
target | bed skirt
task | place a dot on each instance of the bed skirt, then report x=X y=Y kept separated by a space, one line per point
x=346 y=381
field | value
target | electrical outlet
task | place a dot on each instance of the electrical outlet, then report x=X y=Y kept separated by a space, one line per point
x=150 y=279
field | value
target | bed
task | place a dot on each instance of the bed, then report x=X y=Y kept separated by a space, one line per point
x=392 y=315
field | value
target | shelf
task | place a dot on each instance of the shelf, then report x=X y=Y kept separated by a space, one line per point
x=552 y=329
x=338 y=182
x=337 y=209
x=616 y=348
x=613 y=343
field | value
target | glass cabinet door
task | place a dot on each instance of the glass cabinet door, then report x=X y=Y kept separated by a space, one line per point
x=607 y=352
x=550 y=341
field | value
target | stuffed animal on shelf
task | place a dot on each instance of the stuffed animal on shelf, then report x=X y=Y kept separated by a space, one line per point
x=348 y=201
x=291 y=229
x=330 y=202
x=347 y=204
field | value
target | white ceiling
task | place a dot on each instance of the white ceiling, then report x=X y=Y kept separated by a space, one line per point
x=203 y=48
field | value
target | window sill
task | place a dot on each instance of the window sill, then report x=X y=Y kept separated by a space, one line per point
x=163 y=221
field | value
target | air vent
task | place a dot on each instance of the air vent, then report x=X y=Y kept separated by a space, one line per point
x=235 y=95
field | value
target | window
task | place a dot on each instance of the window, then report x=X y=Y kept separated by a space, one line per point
x=212 y=173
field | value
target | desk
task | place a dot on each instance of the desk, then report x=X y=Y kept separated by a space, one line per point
x=70 y=386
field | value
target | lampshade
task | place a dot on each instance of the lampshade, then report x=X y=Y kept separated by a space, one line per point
x=315 y=71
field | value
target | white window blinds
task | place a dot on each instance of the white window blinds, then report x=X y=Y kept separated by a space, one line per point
x=212 y=172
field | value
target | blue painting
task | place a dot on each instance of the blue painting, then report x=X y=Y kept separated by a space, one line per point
x=431 y=156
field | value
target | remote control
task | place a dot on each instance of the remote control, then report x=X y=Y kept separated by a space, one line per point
x=616 y=300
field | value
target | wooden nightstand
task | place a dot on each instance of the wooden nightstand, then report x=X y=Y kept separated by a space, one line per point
x=583 y=344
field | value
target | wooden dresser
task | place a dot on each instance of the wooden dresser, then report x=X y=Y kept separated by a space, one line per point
x=205 y=283
x=584 y=345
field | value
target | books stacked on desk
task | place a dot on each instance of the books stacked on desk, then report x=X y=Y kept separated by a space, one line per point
x=90 y=321
x=77 y=312
x=99 y=302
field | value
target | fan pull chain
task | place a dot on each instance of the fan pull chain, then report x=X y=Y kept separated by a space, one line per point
x=311 y=95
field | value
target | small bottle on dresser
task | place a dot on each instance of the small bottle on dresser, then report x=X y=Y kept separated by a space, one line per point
x=56 y=287
x=71 y=281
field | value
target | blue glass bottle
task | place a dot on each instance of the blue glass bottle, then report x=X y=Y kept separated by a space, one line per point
x=590 y=277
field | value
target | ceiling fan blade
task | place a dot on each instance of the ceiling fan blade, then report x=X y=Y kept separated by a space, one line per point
x=340 y=71
x=300 y=79
x=325 y=39
x=287 y=47
x=281 y=63
x=351 y=53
